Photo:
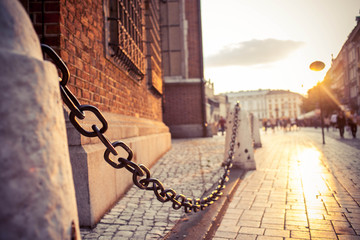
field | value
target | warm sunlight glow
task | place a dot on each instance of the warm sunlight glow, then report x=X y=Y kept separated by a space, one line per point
x=311 y=172
x=257 y=44
x=328 y=93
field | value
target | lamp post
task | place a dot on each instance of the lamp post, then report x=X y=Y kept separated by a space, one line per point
x=318 y=66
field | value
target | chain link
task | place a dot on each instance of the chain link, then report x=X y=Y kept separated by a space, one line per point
x=141 y=174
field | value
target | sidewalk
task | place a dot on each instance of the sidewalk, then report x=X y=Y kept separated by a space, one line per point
x=301 y=189
x=191 y=168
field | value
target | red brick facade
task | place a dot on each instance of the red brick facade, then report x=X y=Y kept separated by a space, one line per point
x=76 y=30
x=183 y=104
x=121 y=78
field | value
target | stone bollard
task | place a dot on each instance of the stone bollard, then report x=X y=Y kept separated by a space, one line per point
x=255 y=130
x=244 y=151
x=37 y=191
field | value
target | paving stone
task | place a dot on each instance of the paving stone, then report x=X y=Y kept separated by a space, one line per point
x=269 y=238
x=277 y=233
x=300 y=234
x=252 y=230
x=330 y=200
x=225 y=234
x=322 y=234
x=348 y=237
x=246 y=237
x=300 y=187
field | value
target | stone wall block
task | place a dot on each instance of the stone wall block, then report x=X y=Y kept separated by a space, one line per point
x=37 y=191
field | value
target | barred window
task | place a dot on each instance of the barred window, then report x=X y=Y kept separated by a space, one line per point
x=125 y=35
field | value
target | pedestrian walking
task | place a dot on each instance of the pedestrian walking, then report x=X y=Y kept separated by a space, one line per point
x=273 y=123
x=352 y=122
x=327 y=122
x=341 y=122
x=333 y=120
x=222 y=123
x=264 y=123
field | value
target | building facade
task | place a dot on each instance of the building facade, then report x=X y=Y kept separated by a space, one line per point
x=113 y=51
x=344 y=73
x=265 y=104
x=283 y=104
x=185 y=101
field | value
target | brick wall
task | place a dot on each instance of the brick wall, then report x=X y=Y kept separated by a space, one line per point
x=195 y=67
x=183 y=104
x=49 y=32
x=76 y=30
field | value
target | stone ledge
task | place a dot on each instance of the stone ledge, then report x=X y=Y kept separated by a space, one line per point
x=119 y=127
x=99 y=186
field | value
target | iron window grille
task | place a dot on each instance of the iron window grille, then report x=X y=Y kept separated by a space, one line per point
x=126 y=34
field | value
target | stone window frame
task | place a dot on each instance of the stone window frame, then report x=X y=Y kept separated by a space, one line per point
x=145 y=32
x=125 y=36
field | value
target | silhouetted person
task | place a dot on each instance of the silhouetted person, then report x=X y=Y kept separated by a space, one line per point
x=341 y=122
x=273 y=123
x=352 y=122
x=264 y=123
x=327 y=122
x=221 y=123
x=333 y=120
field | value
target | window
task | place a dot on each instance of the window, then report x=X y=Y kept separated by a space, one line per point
x=353 y=92
x=351 y=55
x=125 y=35
x=132 y=31
x=353 y=73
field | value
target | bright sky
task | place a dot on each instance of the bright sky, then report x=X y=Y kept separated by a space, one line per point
x=269 y=44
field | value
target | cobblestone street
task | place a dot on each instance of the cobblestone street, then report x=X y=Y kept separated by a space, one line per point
x=301 y=189
x=191 y=167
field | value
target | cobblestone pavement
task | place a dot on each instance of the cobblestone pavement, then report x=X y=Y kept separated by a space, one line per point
x=191 y=167
x=301 y=189
x=334 y=133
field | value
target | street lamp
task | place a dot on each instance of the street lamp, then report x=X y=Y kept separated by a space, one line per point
x=318 y=66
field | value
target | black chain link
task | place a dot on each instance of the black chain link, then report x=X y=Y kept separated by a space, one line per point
x=141 y=174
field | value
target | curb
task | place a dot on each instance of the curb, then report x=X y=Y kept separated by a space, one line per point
x=203 y=225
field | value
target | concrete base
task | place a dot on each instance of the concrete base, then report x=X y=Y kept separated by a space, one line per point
x=243 y=150
x=98 y=185
x=255 y=130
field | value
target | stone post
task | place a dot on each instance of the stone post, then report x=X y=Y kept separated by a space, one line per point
x=37 y=192
x=244 y=151
x=255 y=130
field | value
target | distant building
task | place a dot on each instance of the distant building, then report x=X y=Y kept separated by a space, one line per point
x=267 y=103
x=223 y=105
x=344 y=73
x=283 y=104
x=217 y=106
x=251 y=101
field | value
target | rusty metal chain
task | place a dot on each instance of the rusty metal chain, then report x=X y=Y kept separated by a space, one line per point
x=141 y=174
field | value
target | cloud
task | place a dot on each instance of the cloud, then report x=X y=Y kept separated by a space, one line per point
x=253 y=52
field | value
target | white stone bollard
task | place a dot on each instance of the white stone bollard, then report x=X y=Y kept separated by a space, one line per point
x=37 y=191
x=255 y=130
x=243 y=151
